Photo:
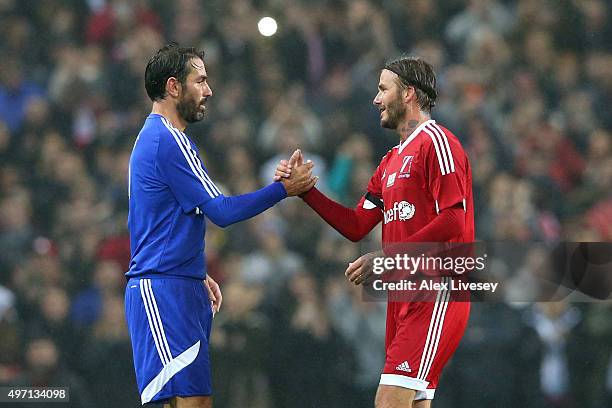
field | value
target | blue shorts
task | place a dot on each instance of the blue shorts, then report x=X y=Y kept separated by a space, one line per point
x=169 y=322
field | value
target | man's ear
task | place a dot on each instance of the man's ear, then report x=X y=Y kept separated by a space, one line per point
x=408 y=93
x=173 y=87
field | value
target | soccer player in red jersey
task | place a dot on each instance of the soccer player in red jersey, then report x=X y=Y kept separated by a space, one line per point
x=422 y=192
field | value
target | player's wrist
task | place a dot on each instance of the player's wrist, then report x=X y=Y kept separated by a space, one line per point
x=304 y=194
x=308 y=194
x=281 y=187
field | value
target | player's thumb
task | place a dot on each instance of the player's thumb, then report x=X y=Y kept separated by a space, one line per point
x=293 y=160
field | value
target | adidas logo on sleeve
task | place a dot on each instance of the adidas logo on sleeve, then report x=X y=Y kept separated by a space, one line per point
x=404 y=367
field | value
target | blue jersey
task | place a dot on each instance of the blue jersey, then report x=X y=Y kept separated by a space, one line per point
x=170 y=319
x=167 y=184
x=170 y=195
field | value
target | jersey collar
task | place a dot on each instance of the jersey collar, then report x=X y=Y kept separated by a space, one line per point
x=414 y=134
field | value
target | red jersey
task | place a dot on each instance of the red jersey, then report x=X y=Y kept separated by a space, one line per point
x=426 y=174
x=420 y=177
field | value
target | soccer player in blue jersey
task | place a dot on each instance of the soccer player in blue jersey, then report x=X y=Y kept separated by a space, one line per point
x=170 y=299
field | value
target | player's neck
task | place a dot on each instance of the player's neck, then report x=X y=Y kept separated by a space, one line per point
x=170 y=113
x=410 y=123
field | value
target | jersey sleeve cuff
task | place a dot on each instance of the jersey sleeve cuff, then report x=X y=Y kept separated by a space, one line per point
x=278 y=190
x=310 y=195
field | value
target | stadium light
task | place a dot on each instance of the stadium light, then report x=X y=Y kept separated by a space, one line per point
x=267 y=26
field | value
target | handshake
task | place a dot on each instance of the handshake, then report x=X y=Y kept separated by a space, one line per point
x=296 y=175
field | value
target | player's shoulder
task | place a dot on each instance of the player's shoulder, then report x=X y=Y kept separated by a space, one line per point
x=168 y=137
x=151 y=131
x=162 y=127
x=435 y=136
x=159 y=140
x=387 y=155
x=444 y=130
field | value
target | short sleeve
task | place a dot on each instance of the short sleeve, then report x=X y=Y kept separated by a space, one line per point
x=444 y=168
x=182 y=170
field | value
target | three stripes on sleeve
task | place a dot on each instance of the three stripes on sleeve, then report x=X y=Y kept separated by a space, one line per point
x=192 y=159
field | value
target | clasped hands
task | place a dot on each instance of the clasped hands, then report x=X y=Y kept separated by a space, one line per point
x=296 y=175
x=358 y=271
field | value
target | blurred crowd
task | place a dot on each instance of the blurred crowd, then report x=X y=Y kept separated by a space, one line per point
x=526 y=85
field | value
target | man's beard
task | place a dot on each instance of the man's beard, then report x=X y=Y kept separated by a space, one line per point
x=395 y=111
x=189 y=111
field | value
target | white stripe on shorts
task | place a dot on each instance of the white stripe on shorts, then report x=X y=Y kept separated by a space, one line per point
x=149 y=289
x=435 y=331
x=154 y=324
x=181 y=361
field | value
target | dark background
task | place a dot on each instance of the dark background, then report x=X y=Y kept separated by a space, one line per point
x=525 y=85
